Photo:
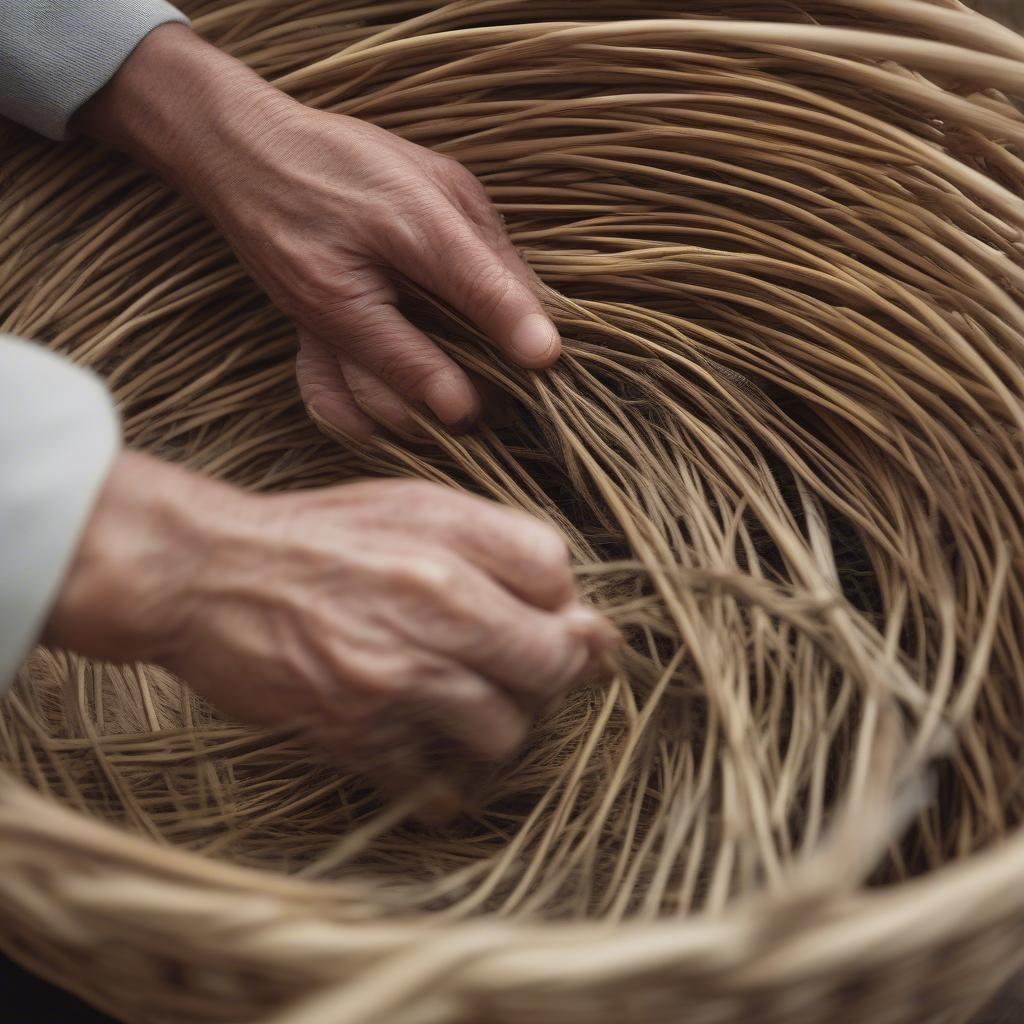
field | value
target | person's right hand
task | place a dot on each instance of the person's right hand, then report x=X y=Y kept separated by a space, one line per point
x=369 y=615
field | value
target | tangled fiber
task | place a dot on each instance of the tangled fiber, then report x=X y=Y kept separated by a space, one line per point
x=783 y=244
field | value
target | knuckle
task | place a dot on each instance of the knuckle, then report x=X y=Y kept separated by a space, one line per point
x=310 y=285
x=400 y=234
x=474 y=189
x=409 y=228
x=550 y=548
x=499 y=729
x=416 y=501
x=324 y=301
x=434 y=576
x=539 y=550
x=451 y=167
x=466 y=693
x=465 y=180
x=419 y=491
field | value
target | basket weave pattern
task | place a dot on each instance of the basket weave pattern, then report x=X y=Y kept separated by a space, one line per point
x=782 y=243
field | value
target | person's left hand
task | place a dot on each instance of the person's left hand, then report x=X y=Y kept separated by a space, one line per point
x=327 y=212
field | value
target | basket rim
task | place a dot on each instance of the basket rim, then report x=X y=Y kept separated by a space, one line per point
x=975 y=893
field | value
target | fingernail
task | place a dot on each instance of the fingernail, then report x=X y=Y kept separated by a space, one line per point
x=534 y=339
x=448 y=395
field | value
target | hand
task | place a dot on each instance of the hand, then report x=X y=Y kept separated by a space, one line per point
x=369 y=616
x=327 y=212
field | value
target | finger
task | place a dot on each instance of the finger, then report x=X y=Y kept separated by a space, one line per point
x=518 y=551
x=391 y=755
x=524 y=554
x=383 y=405
x=382 y=341
x=598 y=672
x=533 y=655
x=377 y=399
x=480 y=717
x=474 y=278
x=326 y=395
x=470 y=196
x=436 y=801
x=358 y=736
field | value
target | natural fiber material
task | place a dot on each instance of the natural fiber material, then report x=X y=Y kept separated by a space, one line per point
x=783 y=243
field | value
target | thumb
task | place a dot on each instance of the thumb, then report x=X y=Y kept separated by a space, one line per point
x=476 y=280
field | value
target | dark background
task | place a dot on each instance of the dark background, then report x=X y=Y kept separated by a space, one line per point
x=39 y=1003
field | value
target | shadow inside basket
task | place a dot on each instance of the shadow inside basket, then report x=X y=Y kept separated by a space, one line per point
x=783 y=441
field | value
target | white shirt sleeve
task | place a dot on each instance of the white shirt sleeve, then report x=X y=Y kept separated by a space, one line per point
x=59 y=436
x=55 y=54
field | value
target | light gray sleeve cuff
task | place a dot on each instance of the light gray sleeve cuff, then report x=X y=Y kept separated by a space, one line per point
x=59 y=436
x=55 y=54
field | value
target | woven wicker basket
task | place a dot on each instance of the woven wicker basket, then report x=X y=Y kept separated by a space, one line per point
x=784 y=247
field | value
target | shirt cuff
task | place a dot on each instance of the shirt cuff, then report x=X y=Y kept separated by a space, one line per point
x=59 y=437
x=56 y=54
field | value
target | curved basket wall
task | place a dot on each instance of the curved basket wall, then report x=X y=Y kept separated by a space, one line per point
x=783 y=244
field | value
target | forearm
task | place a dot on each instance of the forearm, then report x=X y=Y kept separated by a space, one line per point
x=186 y=110
x=55 y=54
x=124 y=595
x=330 y=215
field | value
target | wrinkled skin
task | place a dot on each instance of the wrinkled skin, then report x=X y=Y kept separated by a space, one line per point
x=366 y=615
x=327 y=212
x=364 y=206
x=376 y=618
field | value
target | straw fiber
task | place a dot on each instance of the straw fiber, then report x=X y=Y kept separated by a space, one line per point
x=783 y=244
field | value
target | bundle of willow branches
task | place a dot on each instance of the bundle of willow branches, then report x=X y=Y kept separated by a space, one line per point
x=783 y=244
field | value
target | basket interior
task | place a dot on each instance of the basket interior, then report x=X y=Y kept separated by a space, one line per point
x=784 y=442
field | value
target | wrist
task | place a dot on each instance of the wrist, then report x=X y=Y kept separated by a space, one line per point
x=186 y=110
x=126 y=594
